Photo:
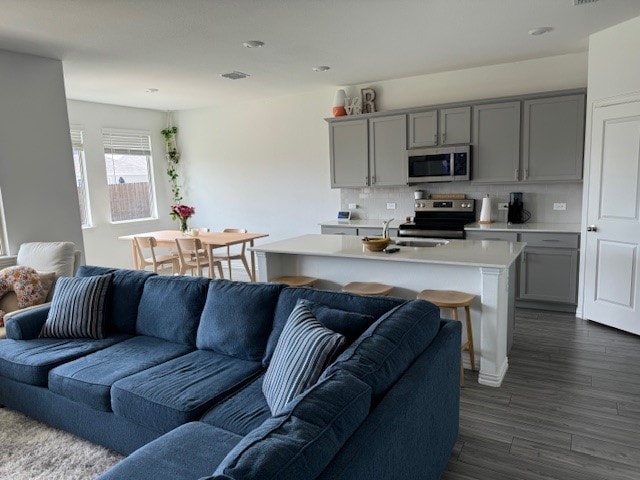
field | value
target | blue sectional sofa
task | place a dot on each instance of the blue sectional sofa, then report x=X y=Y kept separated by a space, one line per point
x=177 y=383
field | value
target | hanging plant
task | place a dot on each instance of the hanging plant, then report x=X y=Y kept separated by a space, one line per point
x=173 y=159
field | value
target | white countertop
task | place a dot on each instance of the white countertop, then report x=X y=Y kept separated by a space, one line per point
x=476 y=253
x=372 y=223
x=525 y=227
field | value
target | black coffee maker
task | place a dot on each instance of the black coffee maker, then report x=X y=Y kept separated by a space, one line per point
x=516 y=212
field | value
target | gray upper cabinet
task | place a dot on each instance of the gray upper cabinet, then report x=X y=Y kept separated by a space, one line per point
x=387 y=150
x=496 y=142
x=349 y=151
x=455 y=125
x=423 y=129
x=553 y=138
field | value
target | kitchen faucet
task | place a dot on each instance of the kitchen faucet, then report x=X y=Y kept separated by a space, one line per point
x=385 y=228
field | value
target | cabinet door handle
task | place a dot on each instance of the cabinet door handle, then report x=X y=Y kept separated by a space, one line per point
x=517 y=174
x=373 y=180
x=526 y=173
x=444 y=137
x=592 y=228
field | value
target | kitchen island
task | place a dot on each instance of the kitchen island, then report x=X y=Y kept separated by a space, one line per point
x=484 y=268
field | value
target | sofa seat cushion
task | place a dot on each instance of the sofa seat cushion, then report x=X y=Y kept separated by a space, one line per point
x=186 y=453
x=124 y=296
x=238 y=318
x=382 y=354
x=29 y=361
x=299 y=443
x=88 y=379
x=372 y=306
x=170 y=308
x=241 y=412
x=180 y=390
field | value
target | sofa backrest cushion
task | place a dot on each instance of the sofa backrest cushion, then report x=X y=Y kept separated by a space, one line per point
x=382 y=354
x=300 y=442
x=237 y=318
x=170 y=308
x=123 y=298
x=374 y=307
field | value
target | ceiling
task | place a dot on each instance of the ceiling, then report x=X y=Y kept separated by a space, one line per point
x=114 y=50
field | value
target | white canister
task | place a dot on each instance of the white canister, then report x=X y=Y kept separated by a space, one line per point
x=418 y=194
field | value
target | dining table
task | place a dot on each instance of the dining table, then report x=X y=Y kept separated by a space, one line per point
x=210 y=240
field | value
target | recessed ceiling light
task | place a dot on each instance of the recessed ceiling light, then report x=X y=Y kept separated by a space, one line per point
x=321 y=68
x=540 y=31
x=151 y=90
x=253 y=44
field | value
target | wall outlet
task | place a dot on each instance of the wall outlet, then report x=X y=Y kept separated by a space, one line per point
x=559 y=206
x=503 y=206
x=352 y=206
x=391 y=206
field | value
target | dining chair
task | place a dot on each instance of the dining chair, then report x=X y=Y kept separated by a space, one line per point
x=229 y=256
x=192 y=256
x=156 y=261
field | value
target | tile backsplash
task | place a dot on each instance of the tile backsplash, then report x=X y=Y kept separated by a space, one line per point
x=538 y=200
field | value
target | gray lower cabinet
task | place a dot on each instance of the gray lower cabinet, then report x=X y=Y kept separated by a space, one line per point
x=496 y=140
x=334 y=230
x=553 y=138
x=548 y=269
x=549 y=275
x=353 y=230
x=503 y=236
x=349 y=152
x=387 y=151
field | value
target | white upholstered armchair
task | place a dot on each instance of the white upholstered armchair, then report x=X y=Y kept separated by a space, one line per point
x=60 y=258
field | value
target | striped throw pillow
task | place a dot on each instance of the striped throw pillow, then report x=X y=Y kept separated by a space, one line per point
x=77 y=308
x=305 y=348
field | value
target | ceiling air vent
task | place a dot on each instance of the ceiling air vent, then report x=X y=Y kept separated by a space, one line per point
x=235 y=75
x=582 y=2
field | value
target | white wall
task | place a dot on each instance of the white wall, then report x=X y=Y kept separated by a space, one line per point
x=102 y=246
x=265 y=165
x=37 y=181
x=614 y=71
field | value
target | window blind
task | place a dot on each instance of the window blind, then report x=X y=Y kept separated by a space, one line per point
x=76 y=139
x=126 y=142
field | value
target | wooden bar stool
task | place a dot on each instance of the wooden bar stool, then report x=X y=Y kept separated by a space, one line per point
x=369 y=289
x=454 y=300
x=295 y=280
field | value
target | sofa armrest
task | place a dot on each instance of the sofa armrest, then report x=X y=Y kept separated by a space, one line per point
x=26 y=324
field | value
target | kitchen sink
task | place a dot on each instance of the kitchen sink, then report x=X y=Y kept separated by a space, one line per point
x=421 y=243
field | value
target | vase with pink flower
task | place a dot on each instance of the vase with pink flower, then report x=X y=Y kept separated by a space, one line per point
x=182 y=213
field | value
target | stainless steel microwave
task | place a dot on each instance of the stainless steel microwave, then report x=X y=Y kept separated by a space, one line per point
x=443 y=164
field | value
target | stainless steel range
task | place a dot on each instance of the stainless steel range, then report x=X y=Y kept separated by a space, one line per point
x=440 y=219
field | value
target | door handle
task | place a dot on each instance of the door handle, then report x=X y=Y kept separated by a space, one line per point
x=592 y=228
x=444 y=137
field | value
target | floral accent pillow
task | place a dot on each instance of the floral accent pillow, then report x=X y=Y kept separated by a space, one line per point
x=29 y=286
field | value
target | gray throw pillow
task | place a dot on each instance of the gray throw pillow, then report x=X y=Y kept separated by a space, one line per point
x=77 y=308
x=304 y=350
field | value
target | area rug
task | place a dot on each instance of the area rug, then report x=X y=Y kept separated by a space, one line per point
x=34 y=451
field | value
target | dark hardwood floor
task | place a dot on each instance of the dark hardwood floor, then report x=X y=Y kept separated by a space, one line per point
x=569 y=407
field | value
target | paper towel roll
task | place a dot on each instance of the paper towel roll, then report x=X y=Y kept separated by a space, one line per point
x=485 y=212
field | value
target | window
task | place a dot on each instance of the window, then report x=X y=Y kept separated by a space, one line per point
x=80 y=167
x=127 y=156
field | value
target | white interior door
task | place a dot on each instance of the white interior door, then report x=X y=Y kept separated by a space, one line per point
x=612 y=237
